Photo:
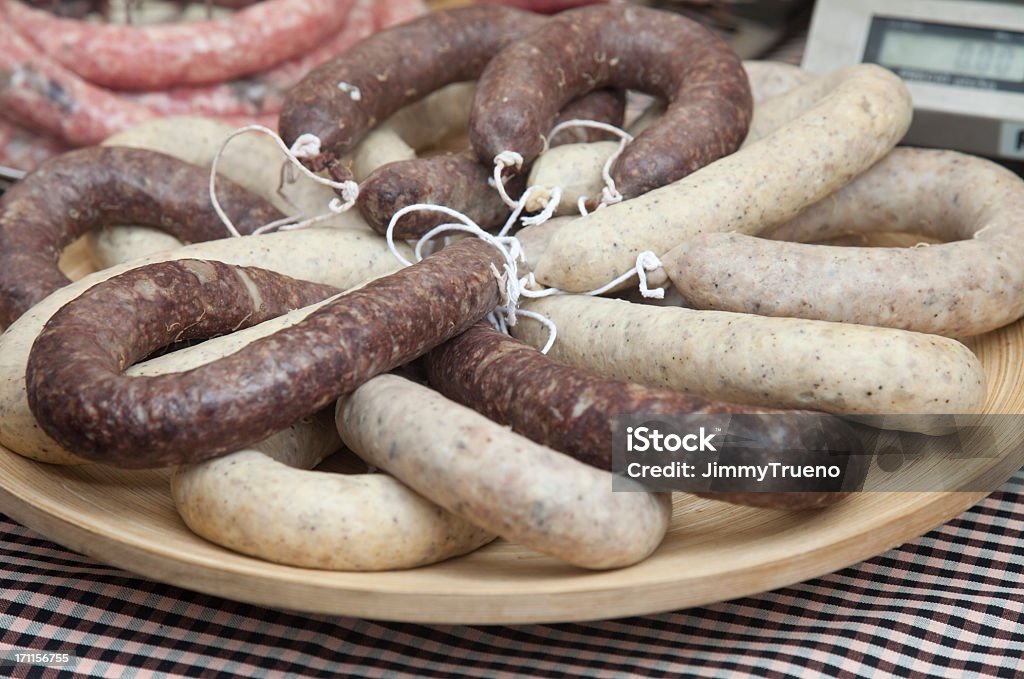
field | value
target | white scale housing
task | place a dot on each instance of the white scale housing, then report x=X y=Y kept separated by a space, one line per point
x=962 y=60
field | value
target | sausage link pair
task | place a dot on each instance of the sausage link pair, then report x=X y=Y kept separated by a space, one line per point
x=968 y=286
x=654 y=51
x=88 y=188
x=572 y=410
x=44 y=97
x=244 y=397
x=479 y=470
x=839 y=368
x=261 y=93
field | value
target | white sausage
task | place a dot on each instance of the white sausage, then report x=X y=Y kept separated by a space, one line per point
x=777 y=362
x=575 y=168
x=966 y=287
x=480 y=470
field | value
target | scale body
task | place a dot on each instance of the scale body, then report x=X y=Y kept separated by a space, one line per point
x=962 y=60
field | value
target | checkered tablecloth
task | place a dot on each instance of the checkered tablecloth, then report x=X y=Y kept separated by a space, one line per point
x=948 y=604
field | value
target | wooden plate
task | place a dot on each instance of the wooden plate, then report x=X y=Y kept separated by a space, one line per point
x=713 y=551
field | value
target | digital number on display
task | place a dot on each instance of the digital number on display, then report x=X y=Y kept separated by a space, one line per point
x=947 y=54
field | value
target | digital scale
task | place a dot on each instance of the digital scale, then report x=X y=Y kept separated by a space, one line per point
x=962 y=60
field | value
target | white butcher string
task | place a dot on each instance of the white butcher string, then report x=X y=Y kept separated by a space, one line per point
x=514 y=287
x=610 y=193
x=547 y=199
x=305 y=146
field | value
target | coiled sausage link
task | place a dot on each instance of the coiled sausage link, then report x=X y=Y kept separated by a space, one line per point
x=342 y=100
x=658 y=52
x=343 y=258
x=79 y=396
x=84 y=189
x=970 y=284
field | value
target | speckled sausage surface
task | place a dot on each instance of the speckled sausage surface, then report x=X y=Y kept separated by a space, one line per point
x=863 y=113
x=571 y=410
x=838 y=368
x=268 y=502
x=79 y=396
x=342 y=100
x=88 y=188
x=460 y=181
x=84 y=346
x=47 y=98
x=478 y=469
x=576 y=169
x=968 y=286
x=340 y=258
x=654 y=51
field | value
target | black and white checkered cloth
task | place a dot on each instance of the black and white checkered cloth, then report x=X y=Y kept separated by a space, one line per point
x=948 y=604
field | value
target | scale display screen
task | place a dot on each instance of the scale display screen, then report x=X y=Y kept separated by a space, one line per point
x=947 y=54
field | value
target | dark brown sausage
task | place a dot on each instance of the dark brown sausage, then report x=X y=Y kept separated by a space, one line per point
x=455 y=180
x=459 y=180
x=653 y=51
x=101 y=186
x=78 y=394
x=87 y=188
x=571 y=410
x=394 y=68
